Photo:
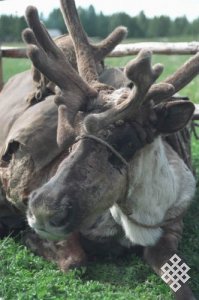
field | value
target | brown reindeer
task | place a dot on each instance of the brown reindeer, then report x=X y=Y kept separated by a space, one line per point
x=121 y=181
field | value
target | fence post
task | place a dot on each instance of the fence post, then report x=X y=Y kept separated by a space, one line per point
x=1 y=71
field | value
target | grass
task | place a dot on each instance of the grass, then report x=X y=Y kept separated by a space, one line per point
x=12 y=66
x=24 y=276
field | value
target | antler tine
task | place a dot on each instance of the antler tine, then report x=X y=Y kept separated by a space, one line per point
x=65 y=132
x=103 y=48
x=184 y=74
x=32 y=19
x=160 y=91
x=143 y=75
x=175 y=82
x=88 y=54
x=85 y=57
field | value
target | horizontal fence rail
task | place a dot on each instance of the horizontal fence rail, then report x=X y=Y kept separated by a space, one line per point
x=196 y=112
x=156 y=48
x=13 y=52
x=126 y=49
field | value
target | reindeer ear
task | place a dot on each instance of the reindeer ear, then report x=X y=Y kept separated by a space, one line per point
x=173 y=116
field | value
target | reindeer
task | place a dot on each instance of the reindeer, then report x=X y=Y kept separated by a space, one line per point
x=121 y=181
x=113 y=176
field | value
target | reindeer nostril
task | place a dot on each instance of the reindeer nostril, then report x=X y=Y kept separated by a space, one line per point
x=58 y=221
x=63 y=218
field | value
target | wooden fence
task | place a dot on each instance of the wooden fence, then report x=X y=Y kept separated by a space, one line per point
x=119 y=51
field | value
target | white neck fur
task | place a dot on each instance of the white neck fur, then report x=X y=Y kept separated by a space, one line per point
x=161 y=186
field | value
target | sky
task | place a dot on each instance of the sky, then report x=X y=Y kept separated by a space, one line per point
x=172 y=8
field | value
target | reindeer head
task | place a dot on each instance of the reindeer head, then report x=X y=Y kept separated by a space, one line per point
x=103 y=127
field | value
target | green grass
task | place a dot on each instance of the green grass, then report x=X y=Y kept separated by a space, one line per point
x=12 y=66
x=24 y=276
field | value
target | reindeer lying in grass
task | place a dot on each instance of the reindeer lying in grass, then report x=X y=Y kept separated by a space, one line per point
x=120 y=180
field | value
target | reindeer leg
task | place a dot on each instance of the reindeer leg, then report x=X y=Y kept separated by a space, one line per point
x=157 y=255
x=3 y=231
x=67 y=254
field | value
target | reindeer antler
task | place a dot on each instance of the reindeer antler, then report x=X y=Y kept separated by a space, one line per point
x=139 y=71
x=85 y=58
x=143 y=76
x=102 y=49
x=49 y=59
x=142 y=92
x=85 y=55
x=88 y=54
x=184 y=74
x=135 y=70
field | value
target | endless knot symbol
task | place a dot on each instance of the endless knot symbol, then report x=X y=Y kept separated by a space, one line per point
x=174 y=272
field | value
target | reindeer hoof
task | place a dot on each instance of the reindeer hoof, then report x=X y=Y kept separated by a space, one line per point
x=72 y=263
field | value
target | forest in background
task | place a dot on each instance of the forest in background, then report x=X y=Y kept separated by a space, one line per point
x=100 y=25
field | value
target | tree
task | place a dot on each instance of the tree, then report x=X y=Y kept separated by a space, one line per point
x=92 y=21
x=134 y=29
x=102 y=25
x=119 y=19
x=11 y=28
x=193 y=29
x=88 y=18
x=55 y=20
x=159 y=27
x=180 y=26
x=142 y=24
